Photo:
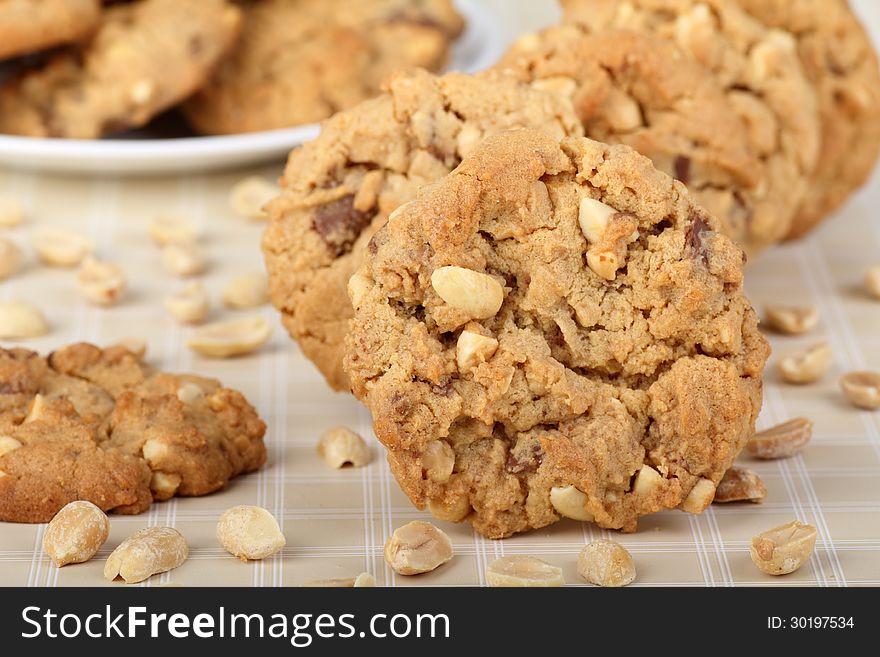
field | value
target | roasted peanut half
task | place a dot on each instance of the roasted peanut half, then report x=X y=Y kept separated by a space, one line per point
x=783 y=549
x=739 y=485
x=417 y=547
x=10 y=258
x=21 y=320
x=183 y=259
x=146 y=553
x=862 y=389
x=228 y=339
x=806 y=366
x=476 y=294
x=521 y=571
x=11 y=212
x=249 y=196
x=167 y=229
x=76 y=533
x=781 y=441
x=101 y=283
x=249 y=532
x=189 y=304
x=247 y=291
x=340 y=446
x=60 y=248
x=791 y=320
x=606 y=563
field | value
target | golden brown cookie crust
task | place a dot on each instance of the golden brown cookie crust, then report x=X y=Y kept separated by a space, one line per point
x=145 y=57
x=586 y=379
x=300 y=62
x=31 y=25
x=340 y=188
x=841 y=62
x=764 y=81
x=99 y=425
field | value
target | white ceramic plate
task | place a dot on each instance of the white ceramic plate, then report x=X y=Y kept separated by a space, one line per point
x=141 y=153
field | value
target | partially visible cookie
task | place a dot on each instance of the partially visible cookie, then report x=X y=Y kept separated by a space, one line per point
x=31 y=25
x=300 y=62
x=765 y=83
x=840 y=61
x=340 y=188
x=98 y=425
x=633 y=88
x=555 y=329
x=145 y=57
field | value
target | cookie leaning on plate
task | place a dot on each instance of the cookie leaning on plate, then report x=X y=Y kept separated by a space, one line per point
x=300 y=62
x=841 y=62
x=340 y=188
x=555 y=328
x=31 y=25
x=632 y=88
x=762 y=76
x=98 y=425
x=146 y=56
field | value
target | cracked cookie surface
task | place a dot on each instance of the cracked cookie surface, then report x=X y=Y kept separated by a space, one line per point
x=145 y=57
x=764 y=81
x=840 y=61
x=99 y=425
x=555 y=328
x=340 y=188
x=31 y=25
x=300 y=62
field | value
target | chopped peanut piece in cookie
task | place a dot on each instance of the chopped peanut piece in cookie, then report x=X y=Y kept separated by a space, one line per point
x=76 y=533
x=146 y=553
x=647 y=479
x=570 y=503
x=862 y=389
x=101 y=283
x=168 y=229
x=473 y=349
x=60 y=248
x=11 y=212
x=739 y=485
x=249 y=196
x=249 y=533
x=522 y=571
x=608 y=232
x=783 y=549
x=806 y=366
x=438 y=461
x=340 y=446
x=872 y=281
x=8 y=444
x=10 y=258
x=248 y=291
x=478 y=295
x=228 y=339
x=791 y=320
x=700 y=497
x=781 y=441
x=417 y=547
x=21 y=320
x=606 y=563
x=190 y=304
x=183 y=259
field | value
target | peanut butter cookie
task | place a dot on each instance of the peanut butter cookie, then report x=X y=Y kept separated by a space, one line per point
x=765 y=83
x=555 y=329
x=302 y=61
x=340 y=188
x=145 y=57
x=98 y=425
x=31 y=25
x=841 y=62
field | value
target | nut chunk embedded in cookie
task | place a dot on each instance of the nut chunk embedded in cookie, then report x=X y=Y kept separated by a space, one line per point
x=99 y=425
x=601 y=388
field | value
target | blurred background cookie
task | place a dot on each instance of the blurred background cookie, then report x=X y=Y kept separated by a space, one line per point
x=31 y=25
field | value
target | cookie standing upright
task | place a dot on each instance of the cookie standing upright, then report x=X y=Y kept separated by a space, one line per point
x=555 y=328
x=636 y=89
x=762 y=75
x=32 y=25
x=145 y=57
x=299 y=62
x=842 y=64
x=340 y=188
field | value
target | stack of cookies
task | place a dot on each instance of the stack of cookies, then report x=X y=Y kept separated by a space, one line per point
x=533 y=276
x=84 y=69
